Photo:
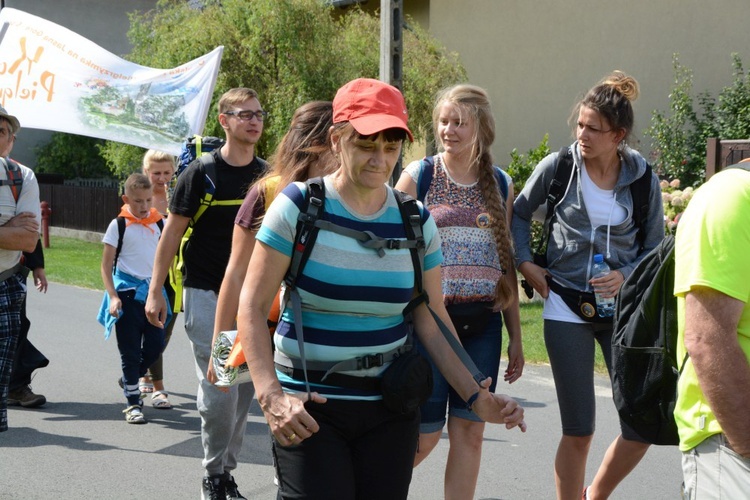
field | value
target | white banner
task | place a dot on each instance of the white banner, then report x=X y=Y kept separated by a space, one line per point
x=54 y=79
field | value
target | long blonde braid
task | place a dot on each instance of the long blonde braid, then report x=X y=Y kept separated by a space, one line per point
x=474 y=101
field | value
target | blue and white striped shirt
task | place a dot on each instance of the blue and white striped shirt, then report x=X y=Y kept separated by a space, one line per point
x=352 y=299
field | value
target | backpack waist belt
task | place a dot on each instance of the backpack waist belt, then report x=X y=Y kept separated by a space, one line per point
x=370 y=384
x=18 y=268
x=329 y=368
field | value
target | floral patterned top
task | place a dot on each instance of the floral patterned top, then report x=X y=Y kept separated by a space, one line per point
x=471 y=267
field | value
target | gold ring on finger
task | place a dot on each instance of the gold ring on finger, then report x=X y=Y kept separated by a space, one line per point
x=292 y=436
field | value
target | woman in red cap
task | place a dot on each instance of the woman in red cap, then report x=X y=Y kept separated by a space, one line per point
x=334 y=435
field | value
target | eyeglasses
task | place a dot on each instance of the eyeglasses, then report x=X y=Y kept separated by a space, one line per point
x=246 y=115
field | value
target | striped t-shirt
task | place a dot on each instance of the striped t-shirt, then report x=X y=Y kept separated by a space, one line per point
x=352 y=299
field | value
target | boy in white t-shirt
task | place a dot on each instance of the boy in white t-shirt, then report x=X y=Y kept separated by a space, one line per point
x=126 y=272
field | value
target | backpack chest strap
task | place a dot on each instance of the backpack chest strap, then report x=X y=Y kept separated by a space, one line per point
x=368 y=239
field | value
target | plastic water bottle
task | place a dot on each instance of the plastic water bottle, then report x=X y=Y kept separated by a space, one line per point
x=605 y=307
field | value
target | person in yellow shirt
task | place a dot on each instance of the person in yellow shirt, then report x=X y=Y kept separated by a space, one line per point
x=712 y=285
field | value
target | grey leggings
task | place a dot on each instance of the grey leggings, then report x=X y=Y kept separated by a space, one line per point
x=570 y=347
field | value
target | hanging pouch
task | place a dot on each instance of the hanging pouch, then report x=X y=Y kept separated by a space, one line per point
x=581 y=303
x=406 y=383
x=470 y=319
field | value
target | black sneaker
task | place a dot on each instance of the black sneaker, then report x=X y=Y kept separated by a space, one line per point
x=213 y=488
x=230 y=487
x=26 y=398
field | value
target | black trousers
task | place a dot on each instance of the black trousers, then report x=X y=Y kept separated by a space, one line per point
x=27 y=357
x=362 y=451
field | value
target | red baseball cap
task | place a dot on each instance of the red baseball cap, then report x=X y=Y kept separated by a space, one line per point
x=371 y=106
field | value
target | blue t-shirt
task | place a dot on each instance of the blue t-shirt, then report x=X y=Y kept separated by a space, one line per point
x=352 y=299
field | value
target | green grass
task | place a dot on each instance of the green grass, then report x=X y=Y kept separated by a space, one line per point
x=75 y=262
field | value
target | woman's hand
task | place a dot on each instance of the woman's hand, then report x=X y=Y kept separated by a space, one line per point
x=498 y=408
x=536 y=276
x=286 y=416
x=515 y=362
x=608 y=285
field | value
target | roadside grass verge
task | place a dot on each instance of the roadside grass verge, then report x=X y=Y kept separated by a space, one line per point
x=76 y=262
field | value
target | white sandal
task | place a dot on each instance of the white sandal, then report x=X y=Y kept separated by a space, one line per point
x=134 y=415
x=160 y=400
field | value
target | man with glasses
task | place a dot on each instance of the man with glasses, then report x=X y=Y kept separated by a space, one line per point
x=20 y=215
x=223 y=413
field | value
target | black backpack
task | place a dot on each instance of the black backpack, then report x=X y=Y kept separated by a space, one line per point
x=644 y=348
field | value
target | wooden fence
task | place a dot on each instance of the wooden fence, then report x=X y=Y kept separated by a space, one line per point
x=724 y=152
x=92 y=208
x=82 y=208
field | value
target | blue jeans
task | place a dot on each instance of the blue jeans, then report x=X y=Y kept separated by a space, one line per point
x=485 y=350
x=140 y=343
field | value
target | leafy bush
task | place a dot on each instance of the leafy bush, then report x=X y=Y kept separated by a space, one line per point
x=290 y=52
x=520 y=168
x=521 y=165
x=73 y=156
x=675 y=200
x=679 y=138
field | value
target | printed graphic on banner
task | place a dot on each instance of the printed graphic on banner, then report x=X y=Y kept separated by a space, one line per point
x=54 y=79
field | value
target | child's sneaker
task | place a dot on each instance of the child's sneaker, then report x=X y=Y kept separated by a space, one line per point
x=134 y=415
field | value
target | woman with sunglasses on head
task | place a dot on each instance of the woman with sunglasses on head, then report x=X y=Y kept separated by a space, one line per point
x=336 y=440
x=594 y=216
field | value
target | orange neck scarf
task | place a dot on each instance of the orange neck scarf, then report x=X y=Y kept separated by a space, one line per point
x=153 y=217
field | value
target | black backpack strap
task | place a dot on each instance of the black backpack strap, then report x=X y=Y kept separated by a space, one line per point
x=15 y=177
x=413 y=223
x=121 y=223
x=640 y=191
x=304 y=240
x=563 y=172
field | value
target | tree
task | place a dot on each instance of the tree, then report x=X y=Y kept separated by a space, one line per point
x=679 y=138
x=74 y=156
x=290 y=52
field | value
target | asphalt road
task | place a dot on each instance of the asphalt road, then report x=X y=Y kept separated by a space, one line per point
x=78 y=445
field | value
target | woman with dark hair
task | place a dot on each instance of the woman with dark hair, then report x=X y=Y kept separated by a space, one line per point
x=302 y=153
x=335 y=440
x=471 y=201
x=594 y=216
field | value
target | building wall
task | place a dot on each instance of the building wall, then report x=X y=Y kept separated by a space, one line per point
x=538 y=57
x=535 y=57
x=104 y=22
